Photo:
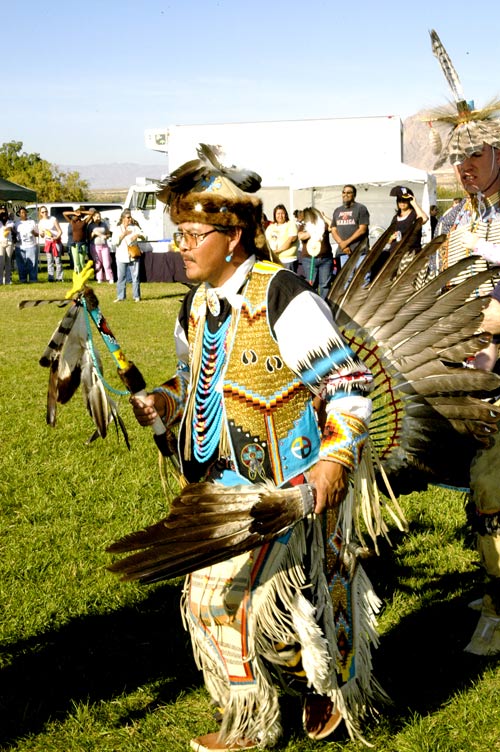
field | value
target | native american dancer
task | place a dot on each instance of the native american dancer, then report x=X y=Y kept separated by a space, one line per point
x=257 y=347
x=472 y=227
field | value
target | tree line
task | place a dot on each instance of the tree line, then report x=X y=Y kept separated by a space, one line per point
x=31 y=171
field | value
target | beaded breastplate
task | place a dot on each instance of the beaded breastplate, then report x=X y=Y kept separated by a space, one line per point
x=268 y=413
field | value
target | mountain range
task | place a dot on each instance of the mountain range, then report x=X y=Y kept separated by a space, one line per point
x=417 y=151
x=115 y=176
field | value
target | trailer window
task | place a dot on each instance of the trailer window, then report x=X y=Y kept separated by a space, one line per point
x=146 y=200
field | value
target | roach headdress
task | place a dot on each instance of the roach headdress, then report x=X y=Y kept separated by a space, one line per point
x=203 y=190
x=465 y=128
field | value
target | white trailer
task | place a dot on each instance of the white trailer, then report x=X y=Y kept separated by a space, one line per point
x=307 y=162
x=150 y=213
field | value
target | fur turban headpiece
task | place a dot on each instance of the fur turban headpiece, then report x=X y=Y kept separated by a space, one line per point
x=205 y=191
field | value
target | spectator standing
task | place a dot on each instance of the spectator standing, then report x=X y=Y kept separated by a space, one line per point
x=282 y=237
x=98 y=233
x=125 y=238
x=26 y=247
x=349 y=225
x=6 y=245
x=50 y=230
x=78 y=220
x=407 y=213
x=433 y=217
x=316 y=257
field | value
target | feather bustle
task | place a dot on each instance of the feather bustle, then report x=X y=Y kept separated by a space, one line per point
x=415 y=332
x=406 y=302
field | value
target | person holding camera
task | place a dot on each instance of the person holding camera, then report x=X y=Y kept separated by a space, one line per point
x=407 y=212
x=128 y=256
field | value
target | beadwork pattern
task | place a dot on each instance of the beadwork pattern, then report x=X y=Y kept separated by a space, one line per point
x=207 y=419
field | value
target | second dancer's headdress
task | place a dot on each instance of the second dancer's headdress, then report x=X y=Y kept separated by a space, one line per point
x=459 y=129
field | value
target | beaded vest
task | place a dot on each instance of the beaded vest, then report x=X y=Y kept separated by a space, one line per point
x=270 y=425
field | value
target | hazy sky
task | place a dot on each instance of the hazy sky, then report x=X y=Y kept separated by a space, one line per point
x=82 y=81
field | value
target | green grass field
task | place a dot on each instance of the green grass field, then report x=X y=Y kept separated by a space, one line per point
x=89 y=663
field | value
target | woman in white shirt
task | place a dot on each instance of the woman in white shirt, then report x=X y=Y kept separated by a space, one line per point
x=126 y=234
x=26 y=247
x=50 y=231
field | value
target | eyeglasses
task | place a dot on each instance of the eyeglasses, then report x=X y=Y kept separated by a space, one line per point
x=192 y=239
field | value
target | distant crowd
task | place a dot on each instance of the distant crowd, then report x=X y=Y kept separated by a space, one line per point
x=316 y=246
x=23 y=236
x=115 y=255
x=310 y=243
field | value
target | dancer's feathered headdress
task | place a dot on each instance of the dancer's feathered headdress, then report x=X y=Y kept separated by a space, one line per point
x=204 y=190
x=467 y=128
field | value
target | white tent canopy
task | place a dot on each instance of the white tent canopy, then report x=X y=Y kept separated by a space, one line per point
x=375 y=194
x=378 y=174
x=306 y=162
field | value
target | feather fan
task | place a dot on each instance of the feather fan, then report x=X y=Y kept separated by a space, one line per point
x=61 y=302
x=63 y=356
x=209 y=523
x=73 y=363
x=61 y=333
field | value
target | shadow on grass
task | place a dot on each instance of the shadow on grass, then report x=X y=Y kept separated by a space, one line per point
x=94 y=658
x=420 y=662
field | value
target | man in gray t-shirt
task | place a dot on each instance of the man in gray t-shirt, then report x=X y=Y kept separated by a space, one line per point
x=349 y=226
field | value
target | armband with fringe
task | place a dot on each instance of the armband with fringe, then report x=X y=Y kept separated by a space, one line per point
x=174 y=395
x=343 y=440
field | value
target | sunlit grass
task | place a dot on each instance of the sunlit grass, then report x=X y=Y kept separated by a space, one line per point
x=89 y=663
